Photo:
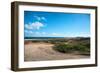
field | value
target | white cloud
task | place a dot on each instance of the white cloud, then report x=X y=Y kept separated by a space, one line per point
x=28 y=32
x=35 y=33
x=40 y=18
x=56 y=34
x=34 y=26
x=31 y=32
x=43 y=33
x=43 y=18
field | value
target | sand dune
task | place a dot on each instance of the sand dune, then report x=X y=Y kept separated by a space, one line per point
x=44 y=51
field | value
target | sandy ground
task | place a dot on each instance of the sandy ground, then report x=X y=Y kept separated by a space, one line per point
x=44 y=51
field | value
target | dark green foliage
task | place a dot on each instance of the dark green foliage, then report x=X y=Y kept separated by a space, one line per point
x=69 y=48
x=63 y=48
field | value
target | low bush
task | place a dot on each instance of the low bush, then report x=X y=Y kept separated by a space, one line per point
x=63 y=48
x=67 y=48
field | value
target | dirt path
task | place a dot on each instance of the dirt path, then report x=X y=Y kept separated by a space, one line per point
x=44 y=51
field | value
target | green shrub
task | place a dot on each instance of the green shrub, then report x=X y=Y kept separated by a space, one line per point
x=63 y=48
x=66 y=48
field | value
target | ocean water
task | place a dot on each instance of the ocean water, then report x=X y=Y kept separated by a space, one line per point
x=55 y=38
x=42 y=38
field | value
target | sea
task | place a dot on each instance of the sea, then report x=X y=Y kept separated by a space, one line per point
x=42 y=38
x=49 y=38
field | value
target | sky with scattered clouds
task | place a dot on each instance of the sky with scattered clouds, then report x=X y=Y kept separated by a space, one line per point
x=55 y=24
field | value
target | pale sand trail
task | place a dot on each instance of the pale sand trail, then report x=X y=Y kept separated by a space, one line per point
x=44 y=51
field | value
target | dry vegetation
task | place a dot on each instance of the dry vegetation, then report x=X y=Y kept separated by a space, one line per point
x=57 y=49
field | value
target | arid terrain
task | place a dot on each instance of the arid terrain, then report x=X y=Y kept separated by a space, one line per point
x=40 y=51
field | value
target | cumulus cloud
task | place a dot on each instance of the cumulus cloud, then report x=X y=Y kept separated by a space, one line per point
x=40 y=18
x=43 y=18
x=34 y=26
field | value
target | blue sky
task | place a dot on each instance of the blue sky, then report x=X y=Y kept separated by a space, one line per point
x=55 y=24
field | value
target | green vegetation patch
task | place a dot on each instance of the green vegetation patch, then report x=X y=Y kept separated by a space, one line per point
x=68 y=48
